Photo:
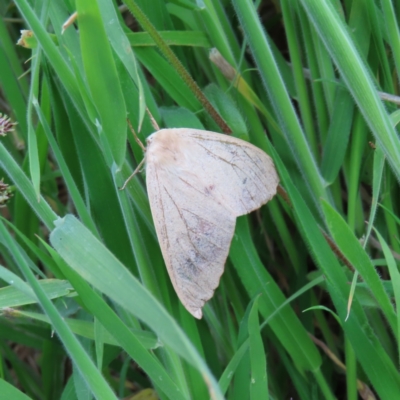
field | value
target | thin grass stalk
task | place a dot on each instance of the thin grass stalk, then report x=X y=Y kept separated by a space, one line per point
x=356 y=76
x=351 y=371
x=169 y=54
x=393 y=31
x=292 y=31
x=88 y=371
x=279 y=98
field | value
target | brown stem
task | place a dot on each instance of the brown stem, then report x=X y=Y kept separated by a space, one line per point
x=171 y=57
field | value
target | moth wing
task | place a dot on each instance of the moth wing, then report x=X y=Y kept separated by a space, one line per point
x=241 y=175
x=194 y=231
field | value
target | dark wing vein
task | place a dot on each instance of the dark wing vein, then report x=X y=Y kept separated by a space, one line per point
x=165 y=231
x=185 y=223
x=208 y=221
x=232 y=164
x=252 y=163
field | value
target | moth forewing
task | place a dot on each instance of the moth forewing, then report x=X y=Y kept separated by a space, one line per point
x=198 y=182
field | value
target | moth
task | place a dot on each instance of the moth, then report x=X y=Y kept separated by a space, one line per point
x=198 y=183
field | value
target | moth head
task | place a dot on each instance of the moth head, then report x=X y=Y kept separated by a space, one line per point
x=166 y=149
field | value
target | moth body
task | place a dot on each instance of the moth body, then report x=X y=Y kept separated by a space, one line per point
x=198 y=182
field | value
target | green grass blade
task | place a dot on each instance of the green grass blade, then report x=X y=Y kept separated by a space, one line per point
x=88 y=371
x=73 y=190
x=392 y=27
x=10 y=296
x=353 y=251
x=259 y=379
x=12 y=169
x=368 y=349
x=10 y=392
x=52 y=53
x=109 y=276
x=357 y=78
x=101 y=76
x=285 y=325
x=120 y=44
x=395 y=278
x=278 y=95
x=338 y=135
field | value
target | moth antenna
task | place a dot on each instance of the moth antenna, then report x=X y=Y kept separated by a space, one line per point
x=137 y=169
x=137 y=140
x=153 y=121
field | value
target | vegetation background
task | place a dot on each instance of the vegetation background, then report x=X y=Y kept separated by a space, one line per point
x=87 y=307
